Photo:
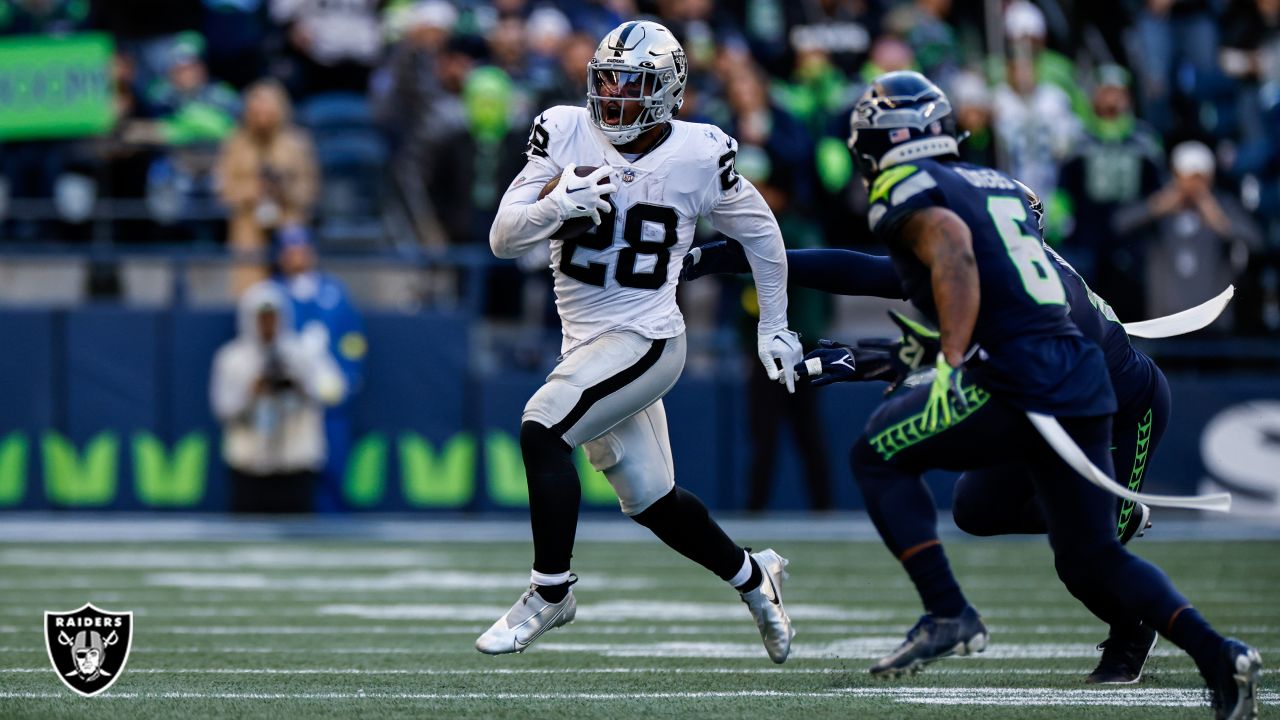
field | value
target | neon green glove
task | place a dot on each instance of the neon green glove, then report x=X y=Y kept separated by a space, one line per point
x=946 y=398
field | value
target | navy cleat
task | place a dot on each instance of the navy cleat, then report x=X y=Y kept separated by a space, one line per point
x=934 y=638
x=1234 y=691
x=1124 y=654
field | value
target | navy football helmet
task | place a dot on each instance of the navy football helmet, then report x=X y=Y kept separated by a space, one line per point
x=901 y=117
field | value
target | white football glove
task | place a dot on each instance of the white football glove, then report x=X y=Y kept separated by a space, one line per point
x=577 y=196
x=782 y=347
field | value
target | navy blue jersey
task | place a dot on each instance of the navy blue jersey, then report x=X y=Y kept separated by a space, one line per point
x=1131 y=372
x=1036 y=358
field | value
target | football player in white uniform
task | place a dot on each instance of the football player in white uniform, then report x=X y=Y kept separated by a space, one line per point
x=624 y=344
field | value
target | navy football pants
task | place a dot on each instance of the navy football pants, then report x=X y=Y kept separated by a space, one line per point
x=1002 y=500
x=889 y=458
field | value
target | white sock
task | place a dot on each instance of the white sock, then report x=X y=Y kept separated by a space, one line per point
x=542 y=580
x=744 y=574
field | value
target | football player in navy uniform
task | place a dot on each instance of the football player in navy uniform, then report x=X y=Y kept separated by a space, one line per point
x=968 y=253
x=998 y=500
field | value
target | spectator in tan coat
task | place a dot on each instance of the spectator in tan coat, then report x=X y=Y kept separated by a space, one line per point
x=268 y=178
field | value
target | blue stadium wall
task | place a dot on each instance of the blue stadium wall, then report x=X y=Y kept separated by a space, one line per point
x=107 y=408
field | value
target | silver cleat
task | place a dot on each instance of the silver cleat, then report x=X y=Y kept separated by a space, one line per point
x=765 y=604
x=525 y=622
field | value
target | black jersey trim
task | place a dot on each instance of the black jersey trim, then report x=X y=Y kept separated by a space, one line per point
x=610 y=385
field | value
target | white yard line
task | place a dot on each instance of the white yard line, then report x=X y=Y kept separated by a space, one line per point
x=249 y=557
x=1022 y=697
x=739 y=626
x=71 y=528
x=1027 y=697
x=414 y=584
x=935 y=670
x=607 y=611
x=336 y=582
x=871 y=646
x=745 y=651
x=884 y=620
x=865 y=648
x=522 y=696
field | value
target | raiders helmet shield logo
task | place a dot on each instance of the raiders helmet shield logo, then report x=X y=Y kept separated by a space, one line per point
x=88 y=647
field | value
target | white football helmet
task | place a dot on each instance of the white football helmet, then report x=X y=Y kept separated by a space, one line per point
x=637 y=62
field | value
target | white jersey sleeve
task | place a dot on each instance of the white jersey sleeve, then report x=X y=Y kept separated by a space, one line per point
x=737 y=209
x=523 y=221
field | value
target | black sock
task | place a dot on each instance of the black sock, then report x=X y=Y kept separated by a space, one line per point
x=753 y=582
x=680 y=520
x=554 y=495
x=938 y=589
x=555 y=593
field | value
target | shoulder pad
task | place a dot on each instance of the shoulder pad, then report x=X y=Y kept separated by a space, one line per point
x=899 y=183
x=552 y=129
x=899 y=191
x=719 y=151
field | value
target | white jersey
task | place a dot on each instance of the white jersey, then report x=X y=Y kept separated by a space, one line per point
x=623 y=274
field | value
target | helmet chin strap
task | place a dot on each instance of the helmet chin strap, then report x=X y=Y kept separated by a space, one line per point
x=927 y=147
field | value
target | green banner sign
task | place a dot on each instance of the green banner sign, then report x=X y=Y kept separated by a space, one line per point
x=55 y=87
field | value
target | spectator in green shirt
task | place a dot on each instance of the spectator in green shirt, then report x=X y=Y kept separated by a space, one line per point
x=190 y=106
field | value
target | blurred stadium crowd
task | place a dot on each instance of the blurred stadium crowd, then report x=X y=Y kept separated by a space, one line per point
x=1152 y=127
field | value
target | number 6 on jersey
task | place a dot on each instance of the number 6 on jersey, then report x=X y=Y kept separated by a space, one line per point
x=1026 y=251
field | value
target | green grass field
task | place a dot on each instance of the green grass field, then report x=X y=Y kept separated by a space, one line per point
x=347 y=629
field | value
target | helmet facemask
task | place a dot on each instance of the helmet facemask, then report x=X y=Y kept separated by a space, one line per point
x=616 y=93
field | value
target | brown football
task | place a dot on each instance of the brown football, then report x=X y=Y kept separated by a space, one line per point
x=573 y=227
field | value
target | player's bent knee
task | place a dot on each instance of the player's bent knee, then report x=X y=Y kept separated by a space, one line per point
x=970 y=514
x=635 y=463
x=638 y=482
x=605 y=452
x=638 y=489
x=538 y=439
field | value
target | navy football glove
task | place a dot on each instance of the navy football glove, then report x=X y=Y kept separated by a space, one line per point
x=873 y=358
x=832 y=362
x=723 y=257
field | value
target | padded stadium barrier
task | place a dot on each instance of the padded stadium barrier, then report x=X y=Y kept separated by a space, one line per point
x=107 y=408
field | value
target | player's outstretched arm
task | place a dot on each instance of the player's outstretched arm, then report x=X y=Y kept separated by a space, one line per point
x=844 y=272
x=743 y=215
x=941 y=240
x=829 y=270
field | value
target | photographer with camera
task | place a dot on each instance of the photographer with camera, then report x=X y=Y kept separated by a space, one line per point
x=269 y=390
